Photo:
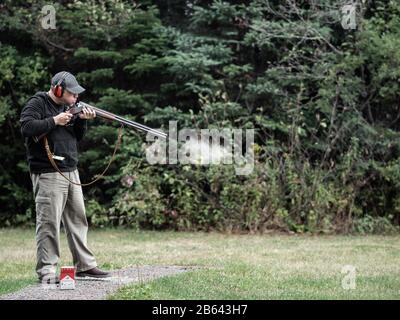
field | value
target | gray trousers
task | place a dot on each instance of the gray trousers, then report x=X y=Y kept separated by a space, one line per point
x=59 y=200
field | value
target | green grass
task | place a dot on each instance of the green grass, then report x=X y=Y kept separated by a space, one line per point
x=230 y=266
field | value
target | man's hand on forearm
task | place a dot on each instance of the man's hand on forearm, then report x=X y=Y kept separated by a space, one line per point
x=87 y=113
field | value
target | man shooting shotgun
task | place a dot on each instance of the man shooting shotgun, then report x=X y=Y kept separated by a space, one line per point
x=56 y=198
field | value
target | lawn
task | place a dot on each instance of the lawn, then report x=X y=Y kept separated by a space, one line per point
x=271 y=266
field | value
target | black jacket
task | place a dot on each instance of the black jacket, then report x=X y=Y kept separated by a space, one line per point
x=36 y=119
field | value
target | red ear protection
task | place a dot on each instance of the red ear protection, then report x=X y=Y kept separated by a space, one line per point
x=58 y=88
x=58 y=91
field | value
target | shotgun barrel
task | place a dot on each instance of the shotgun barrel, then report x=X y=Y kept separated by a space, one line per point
x=111 y=116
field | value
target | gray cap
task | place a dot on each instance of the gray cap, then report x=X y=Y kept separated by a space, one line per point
x=71 y=84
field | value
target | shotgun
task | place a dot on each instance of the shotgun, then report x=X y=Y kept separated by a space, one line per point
x=110 y=116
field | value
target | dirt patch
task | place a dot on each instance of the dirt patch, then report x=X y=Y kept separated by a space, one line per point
x=95 y=289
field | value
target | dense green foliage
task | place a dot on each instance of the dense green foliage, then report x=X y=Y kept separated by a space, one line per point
x=324 y=102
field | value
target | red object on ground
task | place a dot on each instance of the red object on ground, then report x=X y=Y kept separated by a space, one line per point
x=67 y=278
x=67 y=271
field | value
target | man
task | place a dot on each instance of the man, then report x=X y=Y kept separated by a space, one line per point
x=57 y=200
